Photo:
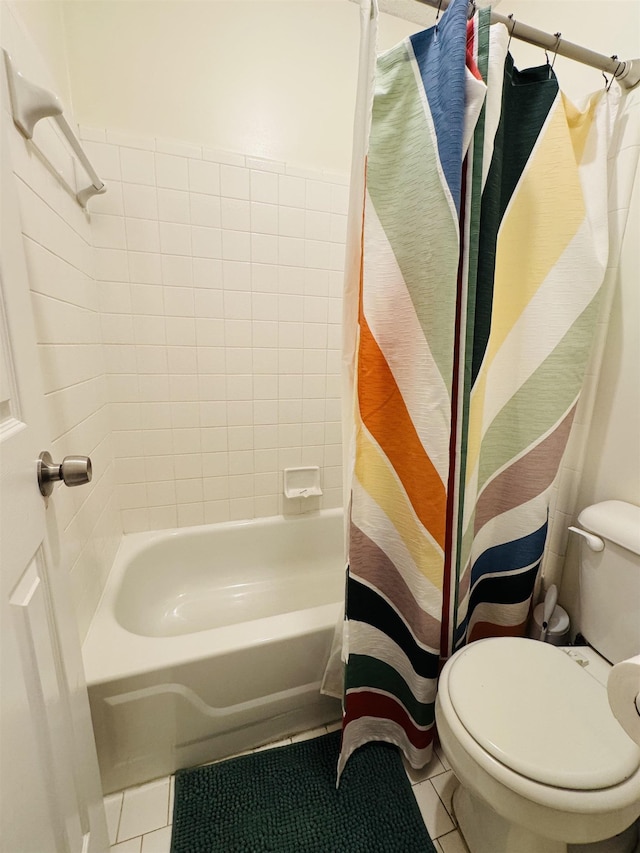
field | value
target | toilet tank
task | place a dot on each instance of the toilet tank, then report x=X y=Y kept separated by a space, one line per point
x=610 y=580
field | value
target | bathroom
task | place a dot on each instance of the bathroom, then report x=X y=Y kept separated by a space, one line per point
x=193 y=376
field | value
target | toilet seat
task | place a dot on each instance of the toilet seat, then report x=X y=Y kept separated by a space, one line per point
x=517 y=700
x=569 y=815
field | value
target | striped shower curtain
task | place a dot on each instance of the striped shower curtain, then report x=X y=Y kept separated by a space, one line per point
x=482 y=243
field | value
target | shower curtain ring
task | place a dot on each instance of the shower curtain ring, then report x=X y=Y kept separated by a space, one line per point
x=555 y=54
x=513 y=26
x=555 y=49
x=614 y=75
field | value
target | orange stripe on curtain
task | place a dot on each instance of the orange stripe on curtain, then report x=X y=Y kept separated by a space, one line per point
x=385 y=415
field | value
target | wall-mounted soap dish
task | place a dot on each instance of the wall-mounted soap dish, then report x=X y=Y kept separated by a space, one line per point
x=302 y=482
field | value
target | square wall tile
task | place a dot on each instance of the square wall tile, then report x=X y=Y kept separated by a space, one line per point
x=207 y=272
x=208 y=242
x=205 y=210
x=140 y=201
x=190 y=514
x=235 y=182
x=172 y=172
x=137 y=166
x=173 y=206
x=291 y=191
x=235 y=214
x=264 y=278
x=264 y=186
x=142 y=235
x=105 y=159
x=175 y=238
x=236 y=245
x=204 y=177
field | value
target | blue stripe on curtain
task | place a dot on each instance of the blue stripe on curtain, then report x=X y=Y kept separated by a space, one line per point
x=440 y=53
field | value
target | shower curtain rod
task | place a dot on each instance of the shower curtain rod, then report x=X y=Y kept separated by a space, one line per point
x=627 y=73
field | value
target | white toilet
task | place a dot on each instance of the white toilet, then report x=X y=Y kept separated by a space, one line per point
x=543 y=765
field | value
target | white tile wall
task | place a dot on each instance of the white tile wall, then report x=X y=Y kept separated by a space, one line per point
x=189 y=330
x=58 y=244
x=220 y=279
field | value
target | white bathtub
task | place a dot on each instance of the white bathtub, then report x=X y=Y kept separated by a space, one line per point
x=212 y=640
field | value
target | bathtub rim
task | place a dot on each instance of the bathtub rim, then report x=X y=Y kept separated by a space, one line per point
x=111 y=653
x=133 y=544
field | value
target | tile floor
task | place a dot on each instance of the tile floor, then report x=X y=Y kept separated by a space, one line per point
x=139 y=819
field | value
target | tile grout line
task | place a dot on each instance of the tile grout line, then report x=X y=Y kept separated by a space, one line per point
x=450 y=812
x=119 y=817
x=444 y=806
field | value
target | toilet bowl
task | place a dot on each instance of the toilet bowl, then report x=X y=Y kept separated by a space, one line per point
x=543 y=765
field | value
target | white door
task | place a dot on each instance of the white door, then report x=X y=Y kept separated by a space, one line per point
x=50 y=798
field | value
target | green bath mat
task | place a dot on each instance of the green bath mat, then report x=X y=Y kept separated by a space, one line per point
x=284 y=800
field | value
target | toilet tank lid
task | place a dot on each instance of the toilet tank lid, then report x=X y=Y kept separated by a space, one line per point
x=616 y=521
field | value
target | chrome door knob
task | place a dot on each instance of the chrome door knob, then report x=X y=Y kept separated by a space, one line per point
x=73 y=471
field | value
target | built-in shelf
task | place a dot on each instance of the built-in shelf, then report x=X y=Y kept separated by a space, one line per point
x=302 y=482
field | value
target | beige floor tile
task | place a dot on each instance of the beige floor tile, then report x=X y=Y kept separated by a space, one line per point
x=442 y=757
x=433 y=812
x=453 y=842
x=130 y=846
x=144 y=808
x=445 y=784
x=432 y=768
x=158 y=841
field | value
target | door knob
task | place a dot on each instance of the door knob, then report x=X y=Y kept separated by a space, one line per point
x=73 y=471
